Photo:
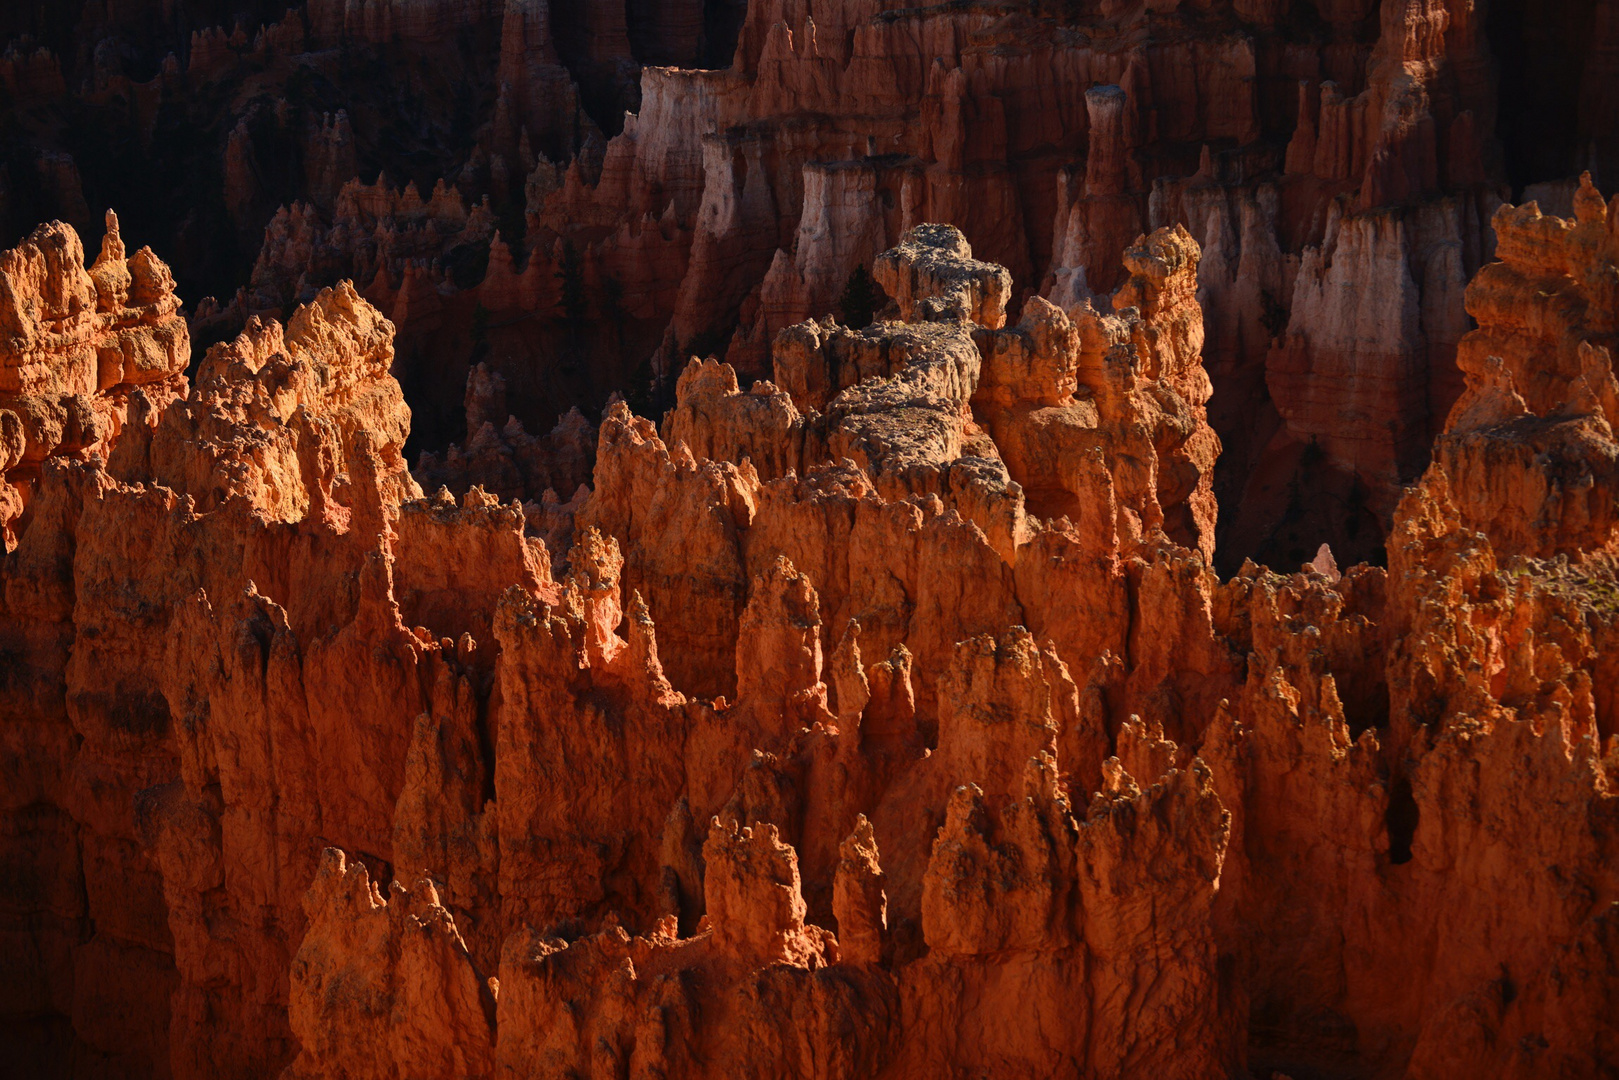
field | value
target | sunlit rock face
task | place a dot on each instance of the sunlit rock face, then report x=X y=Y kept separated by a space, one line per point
x=891 y=692
x=813 y=631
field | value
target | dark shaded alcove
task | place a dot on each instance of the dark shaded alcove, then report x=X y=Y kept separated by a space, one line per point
x=1401 y=817
x=609 y=83
x=685 y=33
x=72 y=28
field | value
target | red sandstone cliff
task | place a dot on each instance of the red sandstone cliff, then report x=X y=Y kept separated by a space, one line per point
x=78 y=346
x=1313 y=173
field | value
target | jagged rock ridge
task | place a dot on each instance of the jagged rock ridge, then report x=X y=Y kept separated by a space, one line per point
x=1339 y=164
x=884 y=719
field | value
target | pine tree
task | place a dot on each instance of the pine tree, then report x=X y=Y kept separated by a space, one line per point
x=860 y=299
x=572 y=276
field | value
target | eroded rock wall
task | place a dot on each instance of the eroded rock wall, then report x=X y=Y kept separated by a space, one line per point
x=596 y=217
x=1339 y=176
x=887 y=719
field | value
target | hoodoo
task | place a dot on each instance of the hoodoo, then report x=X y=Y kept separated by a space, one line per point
x=813 y=538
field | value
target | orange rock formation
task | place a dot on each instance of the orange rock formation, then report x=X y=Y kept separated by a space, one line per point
x=880 y=700
x=1338 y=163
x=886 y=719
x=78 y=345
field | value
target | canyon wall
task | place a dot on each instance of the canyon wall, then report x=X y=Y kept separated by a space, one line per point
x=885 y=718
x=1340 y=173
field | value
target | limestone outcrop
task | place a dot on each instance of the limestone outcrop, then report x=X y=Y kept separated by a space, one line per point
x=375 y=981
x=1341 y=188
x=1340 y=169
x=1530 y=447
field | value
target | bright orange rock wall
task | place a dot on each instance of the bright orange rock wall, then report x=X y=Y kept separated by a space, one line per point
x=842 y=728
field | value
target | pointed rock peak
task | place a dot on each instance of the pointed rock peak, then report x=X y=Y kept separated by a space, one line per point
x=112 y=243
x=1589 y=206
x=1324 y=564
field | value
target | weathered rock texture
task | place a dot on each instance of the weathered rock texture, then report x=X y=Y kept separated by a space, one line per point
x=75 y=346
x=596 y=217
x=1340 y=178
x=884 y=720
x=839 y=700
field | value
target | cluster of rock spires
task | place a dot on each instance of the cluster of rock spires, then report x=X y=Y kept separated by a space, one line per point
x=883 y=719
x=876 y=709
x=1337 y=162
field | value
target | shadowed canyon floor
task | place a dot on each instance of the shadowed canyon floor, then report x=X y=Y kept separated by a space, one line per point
x=881 y=695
